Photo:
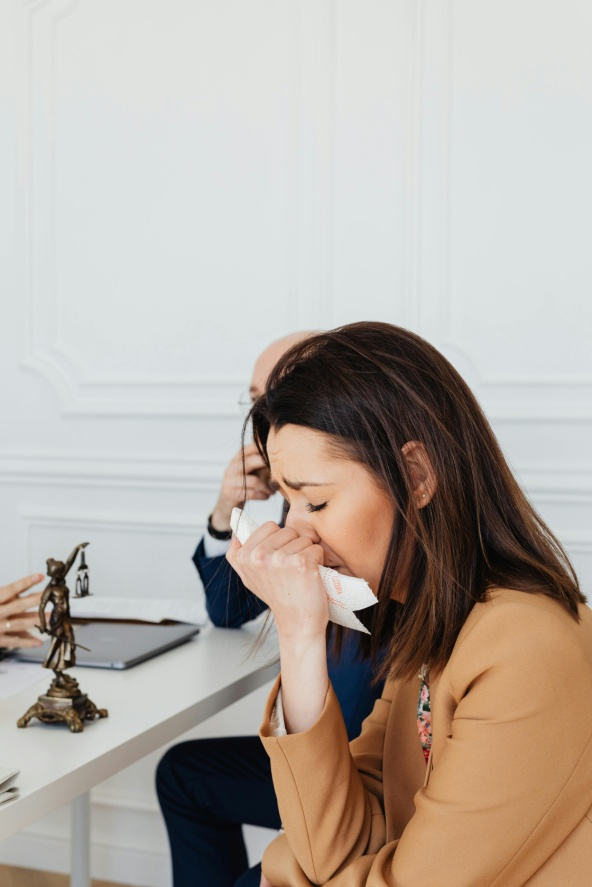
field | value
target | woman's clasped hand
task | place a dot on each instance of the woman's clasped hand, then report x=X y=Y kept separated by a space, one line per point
x=281 y=568
x=18 y=613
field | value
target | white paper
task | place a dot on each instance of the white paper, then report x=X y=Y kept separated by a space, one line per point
x=8 y=776
x=8 y=790
x=344 y=593
x=144 y=609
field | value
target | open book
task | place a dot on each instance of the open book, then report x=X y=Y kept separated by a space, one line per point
x=8 y=789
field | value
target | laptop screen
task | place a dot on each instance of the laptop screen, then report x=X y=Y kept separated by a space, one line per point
x=112 y=644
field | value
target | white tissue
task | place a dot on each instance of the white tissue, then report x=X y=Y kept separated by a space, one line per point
x=344 y=593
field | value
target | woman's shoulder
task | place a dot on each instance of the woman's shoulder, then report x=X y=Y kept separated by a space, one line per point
x=523 y=608
x=530 y=631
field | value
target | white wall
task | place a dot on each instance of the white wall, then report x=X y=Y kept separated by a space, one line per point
x=182 y=181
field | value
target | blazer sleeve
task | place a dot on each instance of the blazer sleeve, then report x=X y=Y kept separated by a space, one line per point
x=332 y=813
x=511 y=769
x=513 y=777
x=228 y=602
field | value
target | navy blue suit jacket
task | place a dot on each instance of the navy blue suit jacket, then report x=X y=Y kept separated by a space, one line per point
x=230 y=605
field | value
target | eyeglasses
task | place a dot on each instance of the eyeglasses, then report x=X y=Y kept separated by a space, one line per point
x=245 y=402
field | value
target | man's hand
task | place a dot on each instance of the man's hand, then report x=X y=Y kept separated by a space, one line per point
x=236 y=488
x=15 y=613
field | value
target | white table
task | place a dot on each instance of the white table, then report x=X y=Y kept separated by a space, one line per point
x=148 y=705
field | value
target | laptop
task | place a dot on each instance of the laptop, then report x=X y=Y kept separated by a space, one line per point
x=120 y=645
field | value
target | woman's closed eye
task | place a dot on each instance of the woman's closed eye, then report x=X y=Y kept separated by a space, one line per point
x=309 y=507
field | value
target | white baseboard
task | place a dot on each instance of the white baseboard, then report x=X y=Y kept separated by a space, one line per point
x=46 y=846
x=141 y=868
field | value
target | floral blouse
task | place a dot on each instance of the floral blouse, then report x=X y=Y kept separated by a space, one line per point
x=424 y=715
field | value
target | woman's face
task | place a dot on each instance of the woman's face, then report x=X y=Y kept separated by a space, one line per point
x=333 y=501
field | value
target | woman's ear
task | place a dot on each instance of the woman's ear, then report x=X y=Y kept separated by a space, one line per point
x=421 y=471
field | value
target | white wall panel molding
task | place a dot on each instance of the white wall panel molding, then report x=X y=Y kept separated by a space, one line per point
x=432 y=228
x=546 y=495
x=133 y=859
x=414 y=13
x=203 y=474
x=118 y=389
x=578 y=546
x=35 y=517
x=577 y=543
x=43 y=350
x=118 y=799
x=507 y=395
x=314 y=177
x=135 y=553
x=121 y=471
x=573 y=480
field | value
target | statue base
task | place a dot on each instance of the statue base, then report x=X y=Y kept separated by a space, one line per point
x=64 y=704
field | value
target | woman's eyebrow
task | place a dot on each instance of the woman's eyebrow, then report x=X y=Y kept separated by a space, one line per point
x=298 y=485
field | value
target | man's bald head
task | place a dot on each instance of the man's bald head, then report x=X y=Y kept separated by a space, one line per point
x=268 y=359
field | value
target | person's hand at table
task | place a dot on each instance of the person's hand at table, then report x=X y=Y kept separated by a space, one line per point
x=281 y=568
x=18 y=613
x=237 y=488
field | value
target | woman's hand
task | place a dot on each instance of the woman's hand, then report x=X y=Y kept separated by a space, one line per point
x=18 y=614
x=281 y=568
x=264 y=882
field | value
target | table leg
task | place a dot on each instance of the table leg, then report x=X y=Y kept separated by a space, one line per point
x=80 y=841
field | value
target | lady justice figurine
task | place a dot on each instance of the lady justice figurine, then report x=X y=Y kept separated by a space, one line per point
x=63 y=703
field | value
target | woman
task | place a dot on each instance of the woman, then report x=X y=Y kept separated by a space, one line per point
x=475 y=767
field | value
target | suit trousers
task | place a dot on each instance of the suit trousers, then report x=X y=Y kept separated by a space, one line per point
x=207 y=789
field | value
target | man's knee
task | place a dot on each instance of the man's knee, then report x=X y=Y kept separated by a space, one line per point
x=172 y=770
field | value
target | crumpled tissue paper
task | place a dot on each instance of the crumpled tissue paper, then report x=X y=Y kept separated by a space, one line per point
x=344 y=593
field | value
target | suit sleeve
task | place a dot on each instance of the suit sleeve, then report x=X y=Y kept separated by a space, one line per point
x=351 y=678
x=512 y=757
x=228 y=602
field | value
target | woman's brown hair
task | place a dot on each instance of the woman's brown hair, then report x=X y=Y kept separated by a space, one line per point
x=374 y=387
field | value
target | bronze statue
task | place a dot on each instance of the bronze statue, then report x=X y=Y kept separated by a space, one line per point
x=63 y=702
x=61 y=650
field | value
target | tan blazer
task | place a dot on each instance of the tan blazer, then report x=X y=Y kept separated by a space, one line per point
x=506 y=799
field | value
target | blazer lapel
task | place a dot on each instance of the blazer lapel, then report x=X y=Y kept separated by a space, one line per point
x=403 y=763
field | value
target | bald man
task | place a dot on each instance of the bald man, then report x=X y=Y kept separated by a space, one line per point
x=209 y=788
